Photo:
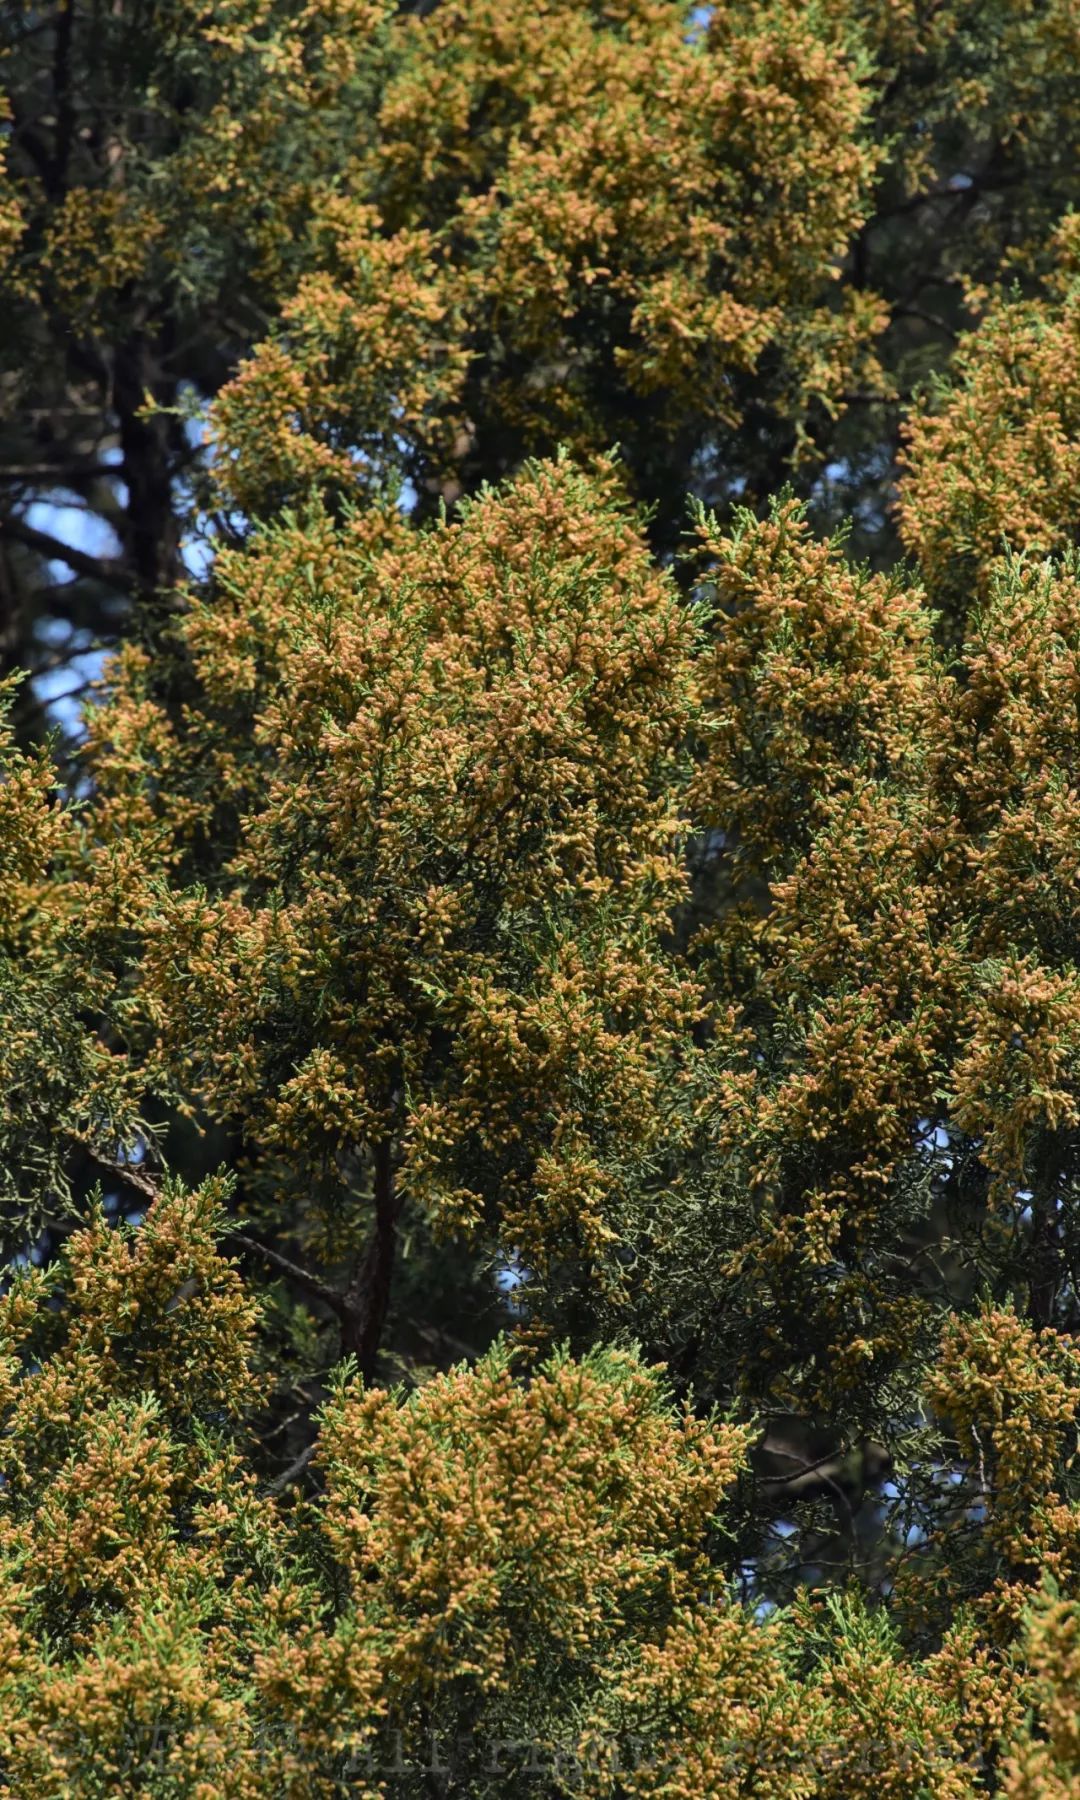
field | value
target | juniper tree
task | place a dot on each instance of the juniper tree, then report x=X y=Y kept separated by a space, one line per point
x=480 y=892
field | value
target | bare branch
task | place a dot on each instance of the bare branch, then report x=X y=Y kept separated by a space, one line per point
x=319 y=1289
x=108 y=569
x=129 y=1173
x=293 y=1472
x=59 y=472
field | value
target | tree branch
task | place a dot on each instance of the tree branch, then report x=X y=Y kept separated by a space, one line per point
x=362 y=1308
x=65 y=114
x=319 y=1289
x=59 y=472
x=145 y=1185
x=294 y=1470
x=107 y=569
x=987 y=182
x=129 y=1173
x=925 y=317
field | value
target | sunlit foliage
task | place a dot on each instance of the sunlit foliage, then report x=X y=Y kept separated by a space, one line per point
x=540 y=1023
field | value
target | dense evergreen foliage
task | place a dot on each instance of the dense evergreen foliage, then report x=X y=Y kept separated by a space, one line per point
x=540 y=1005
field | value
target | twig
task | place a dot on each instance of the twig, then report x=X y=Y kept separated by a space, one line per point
x=293 y=1472
x=321 y=1290
x=126 y=1172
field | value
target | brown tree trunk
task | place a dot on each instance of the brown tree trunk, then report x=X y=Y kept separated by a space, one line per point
x=367 y=1298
